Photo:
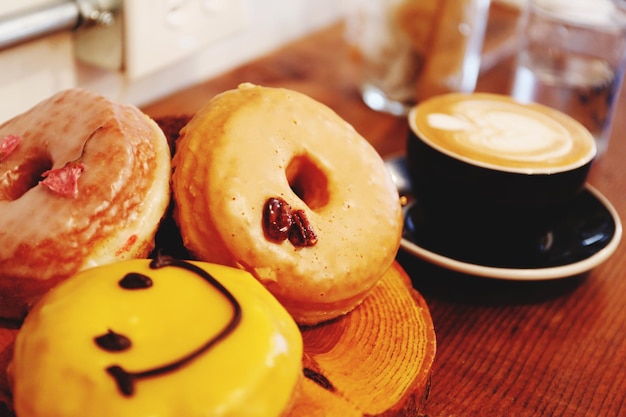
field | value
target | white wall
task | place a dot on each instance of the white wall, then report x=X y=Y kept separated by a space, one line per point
x=33 y=71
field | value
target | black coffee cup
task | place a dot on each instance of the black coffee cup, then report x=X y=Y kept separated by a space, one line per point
x=484 y=164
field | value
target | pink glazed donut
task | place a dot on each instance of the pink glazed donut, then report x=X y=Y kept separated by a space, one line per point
x=83 y=182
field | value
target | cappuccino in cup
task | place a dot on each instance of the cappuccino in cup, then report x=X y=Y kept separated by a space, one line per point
x=487 y=165
x=496 y=132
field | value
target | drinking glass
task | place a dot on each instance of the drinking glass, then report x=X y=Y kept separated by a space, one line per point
x=572 y=58
x=409 y=50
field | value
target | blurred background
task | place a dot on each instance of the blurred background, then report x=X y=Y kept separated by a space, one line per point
x=138 y=51
x=150 y=48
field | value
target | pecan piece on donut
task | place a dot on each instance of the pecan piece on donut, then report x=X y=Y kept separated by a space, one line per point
x=301 y=232
x=277 y=219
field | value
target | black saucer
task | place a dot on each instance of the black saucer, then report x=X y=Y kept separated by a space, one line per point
x=586 y=234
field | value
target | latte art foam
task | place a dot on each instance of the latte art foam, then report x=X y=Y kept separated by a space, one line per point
x=495 y=131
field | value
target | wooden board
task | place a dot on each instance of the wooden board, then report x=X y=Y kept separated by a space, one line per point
x=373 y=361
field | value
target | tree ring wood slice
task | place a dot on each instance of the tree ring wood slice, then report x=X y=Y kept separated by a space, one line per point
x=375 y=361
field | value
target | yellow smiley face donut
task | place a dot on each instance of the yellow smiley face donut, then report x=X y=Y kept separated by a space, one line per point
x=274 y=182
x=166 y=338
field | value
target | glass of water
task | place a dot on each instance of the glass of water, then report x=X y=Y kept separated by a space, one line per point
x=409 y=50
x=572 y=57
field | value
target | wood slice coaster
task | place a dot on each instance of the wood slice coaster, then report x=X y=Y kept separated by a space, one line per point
x=375 y=361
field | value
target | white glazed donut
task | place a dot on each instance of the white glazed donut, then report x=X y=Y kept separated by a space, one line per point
x=253 y=144
x=83 y=182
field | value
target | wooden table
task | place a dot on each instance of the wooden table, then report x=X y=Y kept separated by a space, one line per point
x=505 y=348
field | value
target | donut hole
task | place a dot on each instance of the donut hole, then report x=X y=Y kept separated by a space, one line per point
x=17 y=182
x=308 y=182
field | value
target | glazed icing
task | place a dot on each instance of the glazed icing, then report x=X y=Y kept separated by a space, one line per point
x=196 y=354
x=256 y=143
x=110 y=214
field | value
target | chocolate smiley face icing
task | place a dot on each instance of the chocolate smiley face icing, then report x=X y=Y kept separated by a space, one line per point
x=157 y=338
x=496 y=132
